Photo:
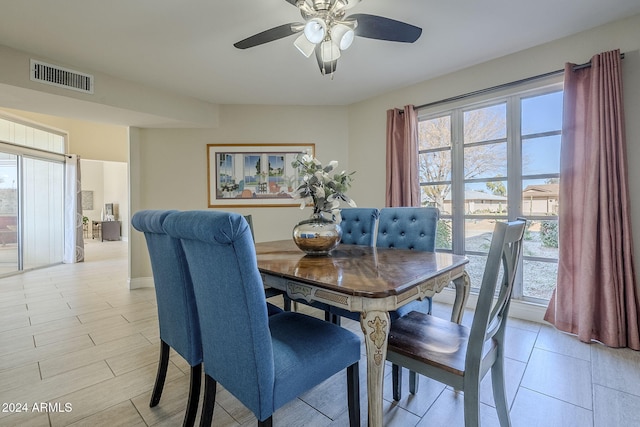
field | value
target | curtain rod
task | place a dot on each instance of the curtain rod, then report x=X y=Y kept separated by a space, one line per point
x=503 y=86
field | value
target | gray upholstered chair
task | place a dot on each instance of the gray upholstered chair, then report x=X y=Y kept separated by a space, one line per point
x=402 y=228
x=177 y=313
x=263 y=361
x=459 y=356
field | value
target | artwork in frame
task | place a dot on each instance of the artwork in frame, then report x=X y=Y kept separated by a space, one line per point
x=258 y=175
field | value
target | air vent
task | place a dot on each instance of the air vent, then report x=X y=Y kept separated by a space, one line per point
x=61 y=77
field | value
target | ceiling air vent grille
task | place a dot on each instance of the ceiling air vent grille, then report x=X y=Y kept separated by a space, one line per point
x=61 y=77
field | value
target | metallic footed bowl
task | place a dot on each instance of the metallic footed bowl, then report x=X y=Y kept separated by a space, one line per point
x=317 y=235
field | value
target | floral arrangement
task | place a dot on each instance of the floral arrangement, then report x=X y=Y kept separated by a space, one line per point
x=320 y=187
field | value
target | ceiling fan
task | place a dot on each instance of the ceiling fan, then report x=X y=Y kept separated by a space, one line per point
x=327 y=31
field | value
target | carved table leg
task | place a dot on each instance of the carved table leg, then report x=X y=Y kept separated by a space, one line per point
x=463 y=287
x=375 y=327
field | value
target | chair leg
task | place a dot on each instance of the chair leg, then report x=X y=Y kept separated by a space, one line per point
x=499 y=393
x=266 y=423
x=396 y=381
x=287 y=303
x=208 y=401
x=163 y=364
x=332 y=318
x=414 y=381
x=194 y=396
x=472 y=404
x=353 y=394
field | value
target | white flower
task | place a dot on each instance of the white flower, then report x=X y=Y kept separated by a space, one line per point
x=319 y=187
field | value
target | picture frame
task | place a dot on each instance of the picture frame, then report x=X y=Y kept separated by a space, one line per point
x=253 y=175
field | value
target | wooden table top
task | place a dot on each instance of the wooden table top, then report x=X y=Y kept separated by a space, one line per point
x=356 y=270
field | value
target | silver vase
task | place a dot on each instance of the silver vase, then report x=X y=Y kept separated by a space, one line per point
x=317 y=235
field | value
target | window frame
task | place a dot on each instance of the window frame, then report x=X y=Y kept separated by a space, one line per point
x=514 y=138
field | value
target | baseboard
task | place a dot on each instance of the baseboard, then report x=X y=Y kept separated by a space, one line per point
x=518 y=310
x=141 y=282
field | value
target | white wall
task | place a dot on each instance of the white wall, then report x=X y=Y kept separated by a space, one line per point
x=168 y=167
x=108 y=181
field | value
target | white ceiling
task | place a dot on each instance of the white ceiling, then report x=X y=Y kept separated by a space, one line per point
x=186 y=46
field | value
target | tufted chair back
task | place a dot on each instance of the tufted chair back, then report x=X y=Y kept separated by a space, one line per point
x=408 y=228
x=359 y=226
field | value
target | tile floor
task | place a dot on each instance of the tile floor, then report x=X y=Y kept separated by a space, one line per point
x=74 y=338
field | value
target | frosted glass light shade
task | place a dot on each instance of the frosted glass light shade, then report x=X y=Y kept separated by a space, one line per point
x=342 y=35
x=315 y=30
x=304 y=45
x=329 y=51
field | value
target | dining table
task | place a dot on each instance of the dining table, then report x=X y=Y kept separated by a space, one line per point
x=369 y=280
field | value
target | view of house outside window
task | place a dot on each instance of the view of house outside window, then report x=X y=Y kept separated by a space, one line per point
x=496 y=161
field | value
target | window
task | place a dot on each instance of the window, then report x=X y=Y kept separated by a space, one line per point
x=496 y=160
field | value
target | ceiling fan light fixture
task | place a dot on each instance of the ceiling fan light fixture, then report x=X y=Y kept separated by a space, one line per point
x=342 y=35
x=329 y=51
x=304 y=45
x=345 y=4
x=315 y=30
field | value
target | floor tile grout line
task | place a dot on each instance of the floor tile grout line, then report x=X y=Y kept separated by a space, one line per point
x=554 y=397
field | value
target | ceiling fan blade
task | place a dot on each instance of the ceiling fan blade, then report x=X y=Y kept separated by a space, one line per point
x=270 y=35
x=378 y=27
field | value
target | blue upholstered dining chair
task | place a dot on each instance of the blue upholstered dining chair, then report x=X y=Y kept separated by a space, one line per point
x=359 y=226
x=403 y=228
x=177 y=313
x=460 y=356
x=269 y=292
x=263 y=361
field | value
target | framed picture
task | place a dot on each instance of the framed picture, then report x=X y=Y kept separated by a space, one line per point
x=86 y=200
x=257 y=175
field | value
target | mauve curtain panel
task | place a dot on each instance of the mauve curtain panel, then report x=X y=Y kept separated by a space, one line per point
x=403 y=182
x=596 y=297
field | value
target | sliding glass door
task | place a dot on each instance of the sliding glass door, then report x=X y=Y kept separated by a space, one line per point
x=42 y=216
x=32 y=163
x=8 y=213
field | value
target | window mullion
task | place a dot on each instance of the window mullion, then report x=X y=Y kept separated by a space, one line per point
x=514 y=156
x=457 y=180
